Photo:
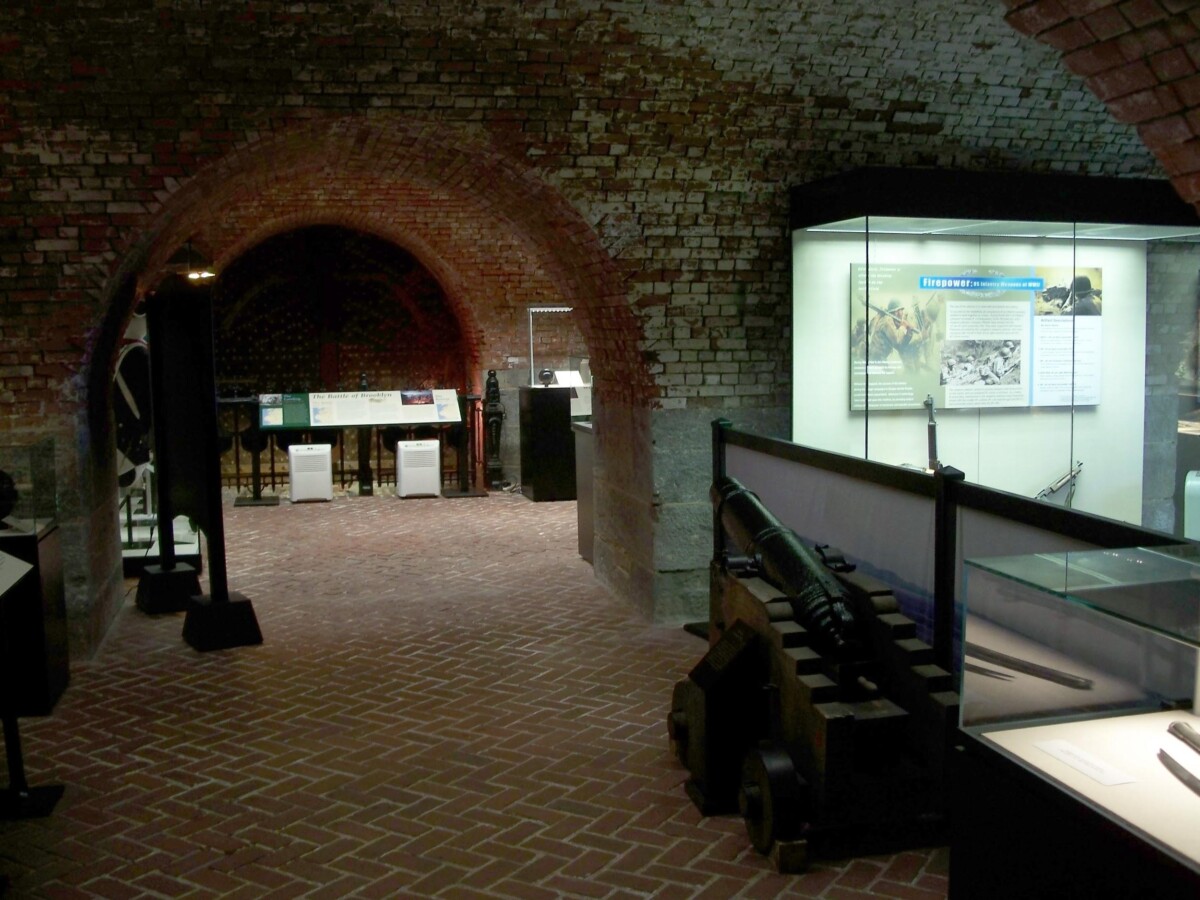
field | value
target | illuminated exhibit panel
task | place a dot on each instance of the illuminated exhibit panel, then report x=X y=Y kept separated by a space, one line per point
x=989 y=432
x=1028 y=339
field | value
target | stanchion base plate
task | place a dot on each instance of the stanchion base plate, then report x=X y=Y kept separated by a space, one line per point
x=256 y=501
x=32 y=803
x=211 y=625
x=167 y=590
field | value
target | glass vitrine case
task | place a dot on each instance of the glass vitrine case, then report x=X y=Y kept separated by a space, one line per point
x=27 y=487
x=1038 y=333
x=1080 y=726
x=33 y=625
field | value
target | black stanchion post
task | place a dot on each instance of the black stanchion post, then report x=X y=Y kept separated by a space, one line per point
x=945 y=561
x=466 y=442
x=222 y=618
x=366 y=480
x=19 y=800
x=167 y=586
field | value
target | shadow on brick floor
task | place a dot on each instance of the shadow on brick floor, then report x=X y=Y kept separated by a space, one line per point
x=446 y=704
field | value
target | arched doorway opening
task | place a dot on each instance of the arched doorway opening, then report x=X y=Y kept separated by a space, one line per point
x=495 y=238
x=324 y=308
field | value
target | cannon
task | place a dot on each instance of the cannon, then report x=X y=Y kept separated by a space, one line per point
x=816 y=713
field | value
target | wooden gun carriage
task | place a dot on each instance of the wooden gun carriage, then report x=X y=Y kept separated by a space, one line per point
x=817 y=712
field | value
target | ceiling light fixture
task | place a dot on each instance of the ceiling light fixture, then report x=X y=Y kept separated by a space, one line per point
x=185 y=261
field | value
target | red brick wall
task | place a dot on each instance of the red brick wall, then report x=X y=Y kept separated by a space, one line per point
x=319 y=309
x=491 y=255
x=1141 y=58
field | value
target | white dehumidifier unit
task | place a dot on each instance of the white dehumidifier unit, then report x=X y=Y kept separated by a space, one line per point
x=418 y=468
x=310 y=468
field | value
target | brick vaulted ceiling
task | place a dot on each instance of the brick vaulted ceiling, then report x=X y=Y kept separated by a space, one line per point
x=629 y=157
x=319 y=308
x=1142 y=59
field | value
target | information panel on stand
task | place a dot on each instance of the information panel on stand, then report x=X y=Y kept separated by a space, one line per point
x=349 y=409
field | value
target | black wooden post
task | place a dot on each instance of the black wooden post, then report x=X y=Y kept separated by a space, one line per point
x=945 y=565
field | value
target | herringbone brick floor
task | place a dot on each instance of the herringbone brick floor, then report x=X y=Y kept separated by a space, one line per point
x=446 y=705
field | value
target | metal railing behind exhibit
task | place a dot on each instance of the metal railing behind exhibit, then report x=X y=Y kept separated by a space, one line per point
x=911 y=528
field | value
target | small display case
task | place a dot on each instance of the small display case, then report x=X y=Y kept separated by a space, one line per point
x=33 y=624
x=1079 y=770
x=27 y=487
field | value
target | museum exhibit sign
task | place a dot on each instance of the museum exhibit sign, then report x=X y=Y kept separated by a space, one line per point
x=999 y=336
x=355 y=409
x=1049 y=320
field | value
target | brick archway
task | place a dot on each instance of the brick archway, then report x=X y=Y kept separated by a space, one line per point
x=496 y=237
x=1142 y=60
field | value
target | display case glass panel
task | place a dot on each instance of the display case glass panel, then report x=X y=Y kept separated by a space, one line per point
x=27 y=487
x=1081 y=668
x=1056 y=358
x=552 y=337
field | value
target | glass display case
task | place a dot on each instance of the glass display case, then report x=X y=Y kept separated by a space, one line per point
x=27 y=487
x=1080 y=724
x=552 y=336
x=1046 y=324
x=33 y=622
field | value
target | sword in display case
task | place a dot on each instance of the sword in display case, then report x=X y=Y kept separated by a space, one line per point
x=1176 y=768
x=931 y=434
x=1186 y=733
x=1026 y=667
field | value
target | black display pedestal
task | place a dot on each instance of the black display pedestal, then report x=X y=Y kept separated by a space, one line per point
x=1014 y=834
x=34 y=666
x=167 y=590
x=220 y=624
x=547 y=444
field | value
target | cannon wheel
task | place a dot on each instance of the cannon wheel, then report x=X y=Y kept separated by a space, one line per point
x=677 y=721
x=773 y=799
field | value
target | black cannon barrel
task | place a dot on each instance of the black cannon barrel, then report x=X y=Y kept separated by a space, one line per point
x=817 y=597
